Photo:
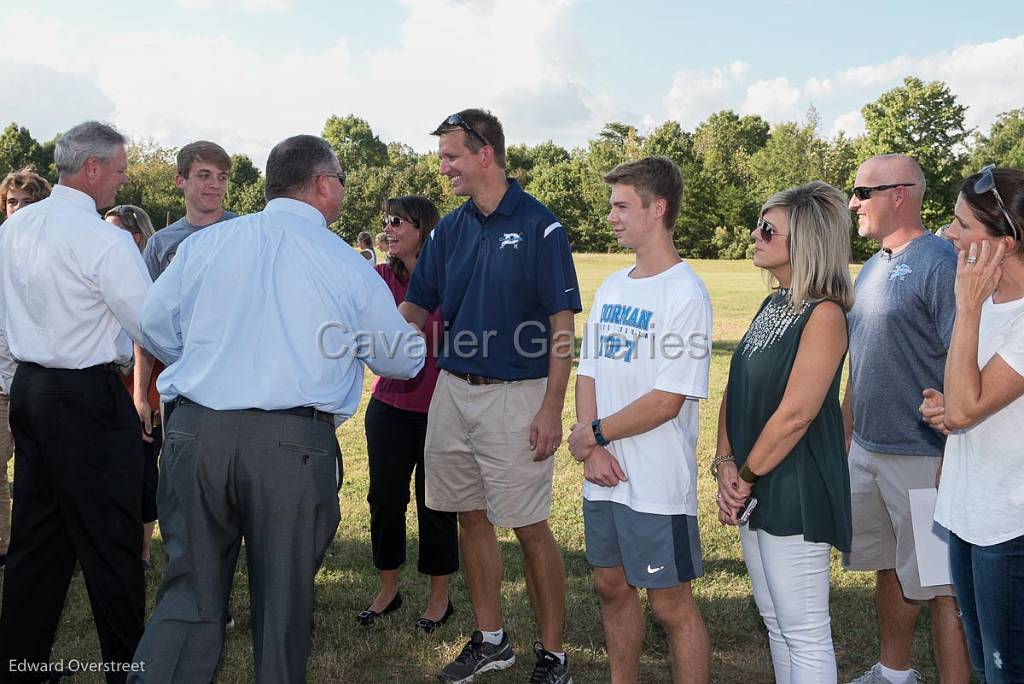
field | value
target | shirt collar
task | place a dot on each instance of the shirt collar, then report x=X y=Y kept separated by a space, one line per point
x=76 y=197
x=509 y=201
x=297 y=207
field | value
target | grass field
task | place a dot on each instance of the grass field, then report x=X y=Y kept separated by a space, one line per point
x=392 y=651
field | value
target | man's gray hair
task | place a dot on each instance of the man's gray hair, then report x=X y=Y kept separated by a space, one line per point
x=89 y=139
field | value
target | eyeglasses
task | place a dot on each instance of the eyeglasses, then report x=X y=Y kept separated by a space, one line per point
x=340 y=176
x=987 y=183
x=768 y=231
x=395 y=221
x=457 y=120
x=864 y=193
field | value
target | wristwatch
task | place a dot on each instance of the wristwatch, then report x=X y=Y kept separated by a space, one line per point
x=598 y=435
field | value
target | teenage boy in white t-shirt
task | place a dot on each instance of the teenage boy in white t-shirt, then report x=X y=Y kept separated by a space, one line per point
x=643 y=366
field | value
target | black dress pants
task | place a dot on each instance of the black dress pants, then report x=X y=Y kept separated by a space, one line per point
x=77 y=496
x=394 y=444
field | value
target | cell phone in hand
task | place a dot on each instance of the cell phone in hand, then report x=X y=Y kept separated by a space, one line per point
x=748 y=508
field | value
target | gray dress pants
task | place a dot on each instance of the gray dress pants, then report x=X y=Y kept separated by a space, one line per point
x=224 y=475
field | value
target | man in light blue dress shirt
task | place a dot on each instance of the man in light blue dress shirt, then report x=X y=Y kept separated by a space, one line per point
x=265 y=323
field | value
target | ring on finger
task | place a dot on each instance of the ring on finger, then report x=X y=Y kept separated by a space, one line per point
x=972 y=259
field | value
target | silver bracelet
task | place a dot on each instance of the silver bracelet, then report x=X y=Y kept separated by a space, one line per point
x=719 y=460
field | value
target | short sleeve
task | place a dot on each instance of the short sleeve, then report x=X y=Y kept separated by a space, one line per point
x=424 y=285
x=940 y=297
x=557 y=286
x=588 y=352
x=683 y=347
x=1012 y=350
x=151 y=256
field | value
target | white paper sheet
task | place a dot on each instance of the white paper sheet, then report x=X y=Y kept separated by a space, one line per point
x=930 y=539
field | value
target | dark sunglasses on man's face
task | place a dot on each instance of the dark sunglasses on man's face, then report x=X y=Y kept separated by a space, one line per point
x=457 y=120
x=862 y=193
x=987 y=183
x=768 y=231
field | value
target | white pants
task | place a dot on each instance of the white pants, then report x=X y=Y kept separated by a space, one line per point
x=790 y=580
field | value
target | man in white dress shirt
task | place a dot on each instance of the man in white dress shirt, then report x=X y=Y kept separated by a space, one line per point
x=71 y=291
x=259 y=322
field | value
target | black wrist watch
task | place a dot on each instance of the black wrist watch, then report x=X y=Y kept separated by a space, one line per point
x=598 y=435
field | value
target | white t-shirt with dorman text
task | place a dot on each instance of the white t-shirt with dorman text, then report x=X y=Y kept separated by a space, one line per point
x=647 y=334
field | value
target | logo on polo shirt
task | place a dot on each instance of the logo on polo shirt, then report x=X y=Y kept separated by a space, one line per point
x=510 y=240
x=901 y=272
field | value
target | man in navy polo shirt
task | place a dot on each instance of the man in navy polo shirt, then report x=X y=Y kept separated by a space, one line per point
x=500 y=268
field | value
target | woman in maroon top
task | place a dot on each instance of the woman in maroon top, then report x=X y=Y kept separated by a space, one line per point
x=396 y=427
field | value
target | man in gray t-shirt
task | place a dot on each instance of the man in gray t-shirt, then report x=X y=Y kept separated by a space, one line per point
x=900 y=327
x=202 y=176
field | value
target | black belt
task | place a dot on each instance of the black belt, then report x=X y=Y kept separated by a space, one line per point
x=301 y=411
x=112 y=367
x=474 y=379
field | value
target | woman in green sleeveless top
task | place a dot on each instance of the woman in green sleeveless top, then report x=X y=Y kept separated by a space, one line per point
x=780 y=433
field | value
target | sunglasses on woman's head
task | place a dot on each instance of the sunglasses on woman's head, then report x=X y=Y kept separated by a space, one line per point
x=768 y=230
x=987 y=183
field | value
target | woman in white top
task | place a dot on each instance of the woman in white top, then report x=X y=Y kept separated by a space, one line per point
x=981 y=491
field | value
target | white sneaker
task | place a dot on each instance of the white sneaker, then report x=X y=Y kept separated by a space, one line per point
x=875 y=676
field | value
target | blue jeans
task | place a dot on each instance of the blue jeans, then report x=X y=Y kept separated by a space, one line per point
x=989 y=583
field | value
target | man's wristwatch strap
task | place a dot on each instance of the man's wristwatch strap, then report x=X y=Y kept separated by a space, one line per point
x=598 y=435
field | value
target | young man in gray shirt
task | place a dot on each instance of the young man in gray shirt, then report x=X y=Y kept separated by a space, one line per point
x=900 y=328
x=202 y=175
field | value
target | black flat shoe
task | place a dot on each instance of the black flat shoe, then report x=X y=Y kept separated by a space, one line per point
x=428 y=625
x=367 y=617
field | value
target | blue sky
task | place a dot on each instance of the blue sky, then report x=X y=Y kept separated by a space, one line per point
x=250 y=72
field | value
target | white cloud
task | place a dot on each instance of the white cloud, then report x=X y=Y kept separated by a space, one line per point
x=986 y=77
x=816 y=87
x=850 y=123
x=738 y=69
x=697 y=93
x=175 y=88
x=775 y=100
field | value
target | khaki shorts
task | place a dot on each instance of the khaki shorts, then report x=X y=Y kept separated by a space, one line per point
x=883 y=537
x=477 y=455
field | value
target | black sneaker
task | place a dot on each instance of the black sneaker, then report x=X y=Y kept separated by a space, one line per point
x=549 y=669
x=478 y=656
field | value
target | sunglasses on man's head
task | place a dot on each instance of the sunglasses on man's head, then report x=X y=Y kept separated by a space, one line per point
x=768 y=231
x=457 y=120
x=862 y=193
x=987 y=183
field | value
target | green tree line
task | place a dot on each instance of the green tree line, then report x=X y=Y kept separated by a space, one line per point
x=731 y=164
